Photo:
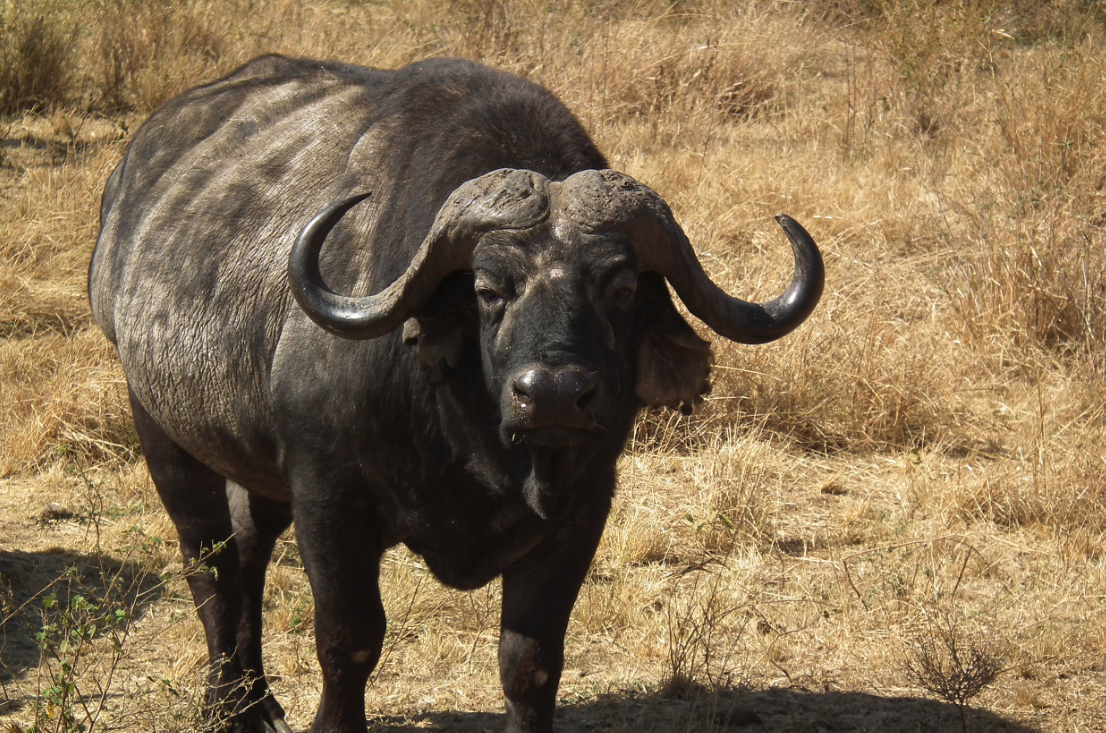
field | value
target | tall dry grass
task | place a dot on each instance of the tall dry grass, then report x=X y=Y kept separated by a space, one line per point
x=930 y=440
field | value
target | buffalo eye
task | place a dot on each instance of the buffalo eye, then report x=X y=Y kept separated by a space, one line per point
x=492 y=293
x=489 y=296
x=621 y=288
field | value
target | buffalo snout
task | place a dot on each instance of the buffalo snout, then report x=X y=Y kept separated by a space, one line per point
x=551 y=397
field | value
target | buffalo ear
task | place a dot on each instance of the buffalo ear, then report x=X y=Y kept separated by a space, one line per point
x=673 y=363
x=438 y=343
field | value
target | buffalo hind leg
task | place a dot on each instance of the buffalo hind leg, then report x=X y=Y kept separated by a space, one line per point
x=258 y=524
x=196 y=499
x=539 y=592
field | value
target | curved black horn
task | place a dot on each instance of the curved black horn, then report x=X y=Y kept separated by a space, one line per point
x=799 y=300
x=336 y=313
x=503 y=199
x=615 y=201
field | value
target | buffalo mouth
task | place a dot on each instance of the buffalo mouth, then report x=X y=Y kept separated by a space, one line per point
x=551 y=452
x=552 y=437
x=551 y=462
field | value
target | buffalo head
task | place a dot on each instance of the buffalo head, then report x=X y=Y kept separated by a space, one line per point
x=574 y=318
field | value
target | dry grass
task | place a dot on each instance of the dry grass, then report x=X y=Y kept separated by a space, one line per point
x=930 y=442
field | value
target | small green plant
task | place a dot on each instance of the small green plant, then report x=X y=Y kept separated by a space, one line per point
x=81 y=621
x=303 y=614
x=73 y=619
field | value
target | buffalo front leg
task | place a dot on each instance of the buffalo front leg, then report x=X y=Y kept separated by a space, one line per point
x=196 y=499
x=538 y=595
x=342 y=558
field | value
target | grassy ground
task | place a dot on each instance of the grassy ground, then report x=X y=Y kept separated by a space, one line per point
x=892 y=520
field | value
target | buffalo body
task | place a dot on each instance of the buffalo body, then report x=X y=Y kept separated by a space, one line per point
x=453 y=362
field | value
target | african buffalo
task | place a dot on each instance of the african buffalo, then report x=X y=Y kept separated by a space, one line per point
x=395 y=306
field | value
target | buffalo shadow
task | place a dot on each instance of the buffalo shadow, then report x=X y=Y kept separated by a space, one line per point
x=729 y=710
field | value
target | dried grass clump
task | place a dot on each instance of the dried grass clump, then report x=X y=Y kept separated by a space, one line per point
x=62 y=397
x=937 y=49
x=145 y=52
x=122 y=55
x=1026 y=23
x=703 y=633
x=614 y=62
x=1055 y=20
x=871 y=371
x=706 y=501
x=1033 y=215
x=1050 y=474
x=36 y=47
x=708 y=67
x=841 y=390
x=53 y=209
x=62 y=393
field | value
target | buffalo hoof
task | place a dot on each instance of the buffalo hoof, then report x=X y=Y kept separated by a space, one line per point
x=277 y=726
x=251 y=721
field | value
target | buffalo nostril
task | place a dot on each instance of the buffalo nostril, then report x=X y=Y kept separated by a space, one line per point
x=585 y=389
x=531 y=384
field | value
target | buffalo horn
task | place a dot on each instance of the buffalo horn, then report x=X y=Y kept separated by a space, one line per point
x=502 y=199
x=622 y=204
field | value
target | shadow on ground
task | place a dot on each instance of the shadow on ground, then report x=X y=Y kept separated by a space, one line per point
x=730 y=710
x=47 y=596
x=29 y=150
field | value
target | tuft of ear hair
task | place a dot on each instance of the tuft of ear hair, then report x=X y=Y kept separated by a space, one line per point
x=673 y=364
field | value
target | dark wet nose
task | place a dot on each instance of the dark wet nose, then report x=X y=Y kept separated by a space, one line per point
x=557 y=396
